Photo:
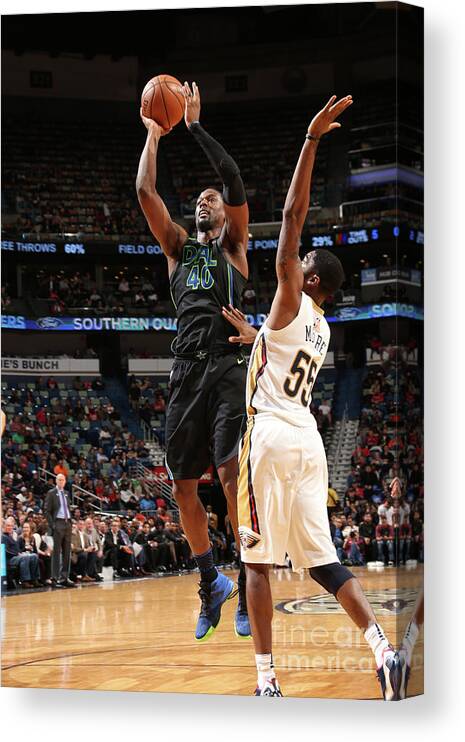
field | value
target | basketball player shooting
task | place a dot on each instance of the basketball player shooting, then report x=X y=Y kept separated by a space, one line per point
x=205 y=408
x=283 y=480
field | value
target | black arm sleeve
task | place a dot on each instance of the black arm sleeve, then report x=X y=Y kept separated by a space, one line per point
x=223 y=164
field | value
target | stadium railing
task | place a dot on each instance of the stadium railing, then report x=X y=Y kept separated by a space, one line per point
x=156 y=485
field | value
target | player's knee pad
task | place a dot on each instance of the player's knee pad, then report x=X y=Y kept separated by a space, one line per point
x=331 y=576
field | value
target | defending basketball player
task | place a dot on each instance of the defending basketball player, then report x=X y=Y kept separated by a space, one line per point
x=283 y=480
x=205 y=408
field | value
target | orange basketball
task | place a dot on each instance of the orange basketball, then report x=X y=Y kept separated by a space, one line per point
x=162 y=100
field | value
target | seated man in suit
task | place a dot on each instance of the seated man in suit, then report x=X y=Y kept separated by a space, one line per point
x=117 y=553
x=82 y=554
x=174 y=534
x=102 y=530
x=156 y=553
x=95 y=557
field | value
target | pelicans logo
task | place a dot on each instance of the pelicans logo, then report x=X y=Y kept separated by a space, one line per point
x=248 y=537
x=387 y=602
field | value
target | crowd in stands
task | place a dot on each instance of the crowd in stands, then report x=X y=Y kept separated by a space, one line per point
x=390 y=534
x=70 y=177
x=75 y=430
x=266 y=155
x=392 y=202
x=371 y=523
x=146 y=291
x=377 y=351
x=69 y=289
x=380 y=136
x=132 y=545
x=148 y=398
x=143 y=537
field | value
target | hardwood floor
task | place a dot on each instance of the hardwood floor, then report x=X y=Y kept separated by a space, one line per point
x=138 y=636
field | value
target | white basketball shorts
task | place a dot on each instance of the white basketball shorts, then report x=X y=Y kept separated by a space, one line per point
x=282 y=494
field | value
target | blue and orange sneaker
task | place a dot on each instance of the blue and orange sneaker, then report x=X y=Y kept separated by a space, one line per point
x=392 y=675
x=212 y=596
x=270 y=688
x=241 y=619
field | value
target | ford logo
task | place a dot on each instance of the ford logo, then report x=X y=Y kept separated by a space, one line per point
x=48 y=323
x=347 y=312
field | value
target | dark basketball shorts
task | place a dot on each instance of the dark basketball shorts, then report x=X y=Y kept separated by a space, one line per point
x=205 y=414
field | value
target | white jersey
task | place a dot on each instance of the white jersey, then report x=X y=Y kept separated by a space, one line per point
x=285 y=363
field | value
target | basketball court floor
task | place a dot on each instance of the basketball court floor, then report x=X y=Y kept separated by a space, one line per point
x=137 y=635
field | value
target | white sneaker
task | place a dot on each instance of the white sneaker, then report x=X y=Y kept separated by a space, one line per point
x=271 y=688
x=393 y=675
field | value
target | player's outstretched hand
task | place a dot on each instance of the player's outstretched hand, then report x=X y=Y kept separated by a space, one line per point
x=247 y=333
x=325 y=120
x=152 y=126
x=192 y=98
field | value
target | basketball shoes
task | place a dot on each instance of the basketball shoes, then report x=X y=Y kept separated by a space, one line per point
x=241 y=619
x=212 y=596
x=270 y=688
x=391 y=675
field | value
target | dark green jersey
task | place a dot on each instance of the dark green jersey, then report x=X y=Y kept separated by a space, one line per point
x=202 y=283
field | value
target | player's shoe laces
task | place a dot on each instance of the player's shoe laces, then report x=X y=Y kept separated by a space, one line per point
x=212 y=596
x=271 y=688
x=391 y=675
x=241 y=619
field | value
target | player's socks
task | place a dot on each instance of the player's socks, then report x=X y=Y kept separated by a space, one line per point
x=378 y=642
x=208 y=571
x=408 y=642
x=405 y=653
x=267 y=683
x=265 y=668
x=390 y=666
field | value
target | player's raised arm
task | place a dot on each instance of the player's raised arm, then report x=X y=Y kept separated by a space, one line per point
x=236 y=232
x=288 y=264
x=171 y=236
